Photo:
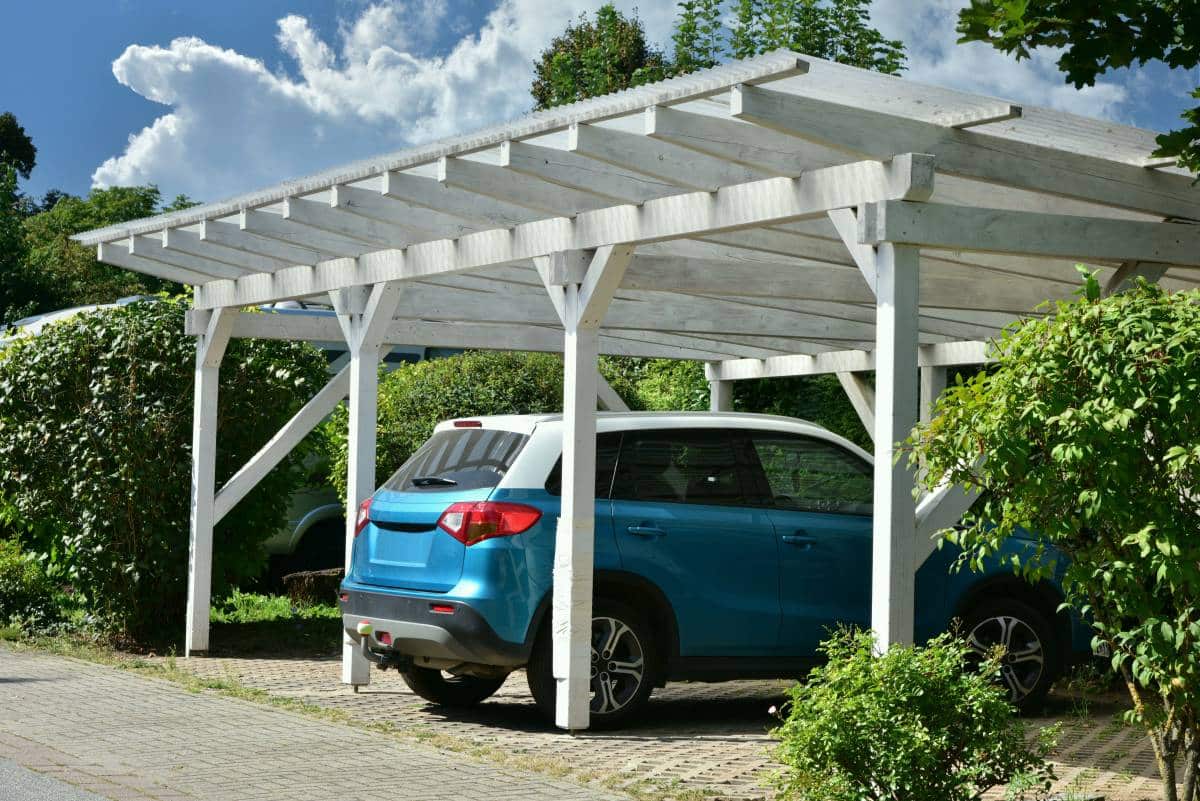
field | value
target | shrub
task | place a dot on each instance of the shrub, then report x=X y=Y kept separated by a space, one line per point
x=28 y=599
x=917 y=723
x=416 y=397
x=1092 y=442
x=95 y=454
x=667 y=385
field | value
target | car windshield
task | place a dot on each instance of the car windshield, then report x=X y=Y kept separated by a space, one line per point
x=459 y=459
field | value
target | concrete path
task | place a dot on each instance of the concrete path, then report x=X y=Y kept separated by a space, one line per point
x=125 y=737
x=19 y=784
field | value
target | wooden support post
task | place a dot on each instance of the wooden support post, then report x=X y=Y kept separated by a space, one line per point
x=210 y=349
x=582 y=299
x=364 y=315
x=610 y=401
x=933 y=383
x=1130 y=271
x=720 y=396
x=862 y=398
x=894 y=531
x=574 y=540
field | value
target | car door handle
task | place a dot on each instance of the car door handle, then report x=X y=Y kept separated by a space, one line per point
x=803 y=540
x=646 y=531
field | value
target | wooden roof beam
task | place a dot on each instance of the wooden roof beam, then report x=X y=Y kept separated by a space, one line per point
x=973 y=154
x=578 y=172
x=996 y=231
x=190 y=242
x=660 y=160
x=229 y=235
x=151 y=247
x=518 y=188
x=378 y=205
x=273 y=226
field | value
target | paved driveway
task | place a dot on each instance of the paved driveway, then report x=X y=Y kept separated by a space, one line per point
x=125 y=737
x=709 y=737
x=128 y=737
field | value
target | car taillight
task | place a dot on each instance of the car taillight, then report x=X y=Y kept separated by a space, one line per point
x=364 y=516
x=472 y=522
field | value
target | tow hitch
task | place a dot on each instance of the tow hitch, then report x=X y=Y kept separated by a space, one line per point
x=384 y=659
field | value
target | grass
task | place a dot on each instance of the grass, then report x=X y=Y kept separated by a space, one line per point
x=251 y=607
x=249 y=623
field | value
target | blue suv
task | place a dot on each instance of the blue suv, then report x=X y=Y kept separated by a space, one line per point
x=727 y=546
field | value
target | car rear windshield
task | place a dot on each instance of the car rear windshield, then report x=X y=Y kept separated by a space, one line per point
x=459 y=459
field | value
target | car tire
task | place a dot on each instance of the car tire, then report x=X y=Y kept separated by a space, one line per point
x=439 y=688
x=1030 y=664
x=630 y=641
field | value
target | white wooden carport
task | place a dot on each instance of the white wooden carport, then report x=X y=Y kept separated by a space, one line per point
x=777 y=216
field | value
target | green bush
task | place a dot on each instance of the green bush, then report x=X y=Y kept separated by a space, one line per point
x=917 y=723
x=1093 y=444
x=95 y=455
x=668 y=385
x=416 y=397
x=28 y=599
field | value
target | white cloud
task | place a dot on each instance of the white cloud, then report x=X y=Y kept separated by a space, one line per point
x=234 y=125
x=380 y=85
x=928 y=31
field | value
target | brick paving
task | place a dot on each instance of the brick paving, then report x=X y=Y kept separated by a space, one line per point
x=710 y=737
x=124 y=736
x=130 y=738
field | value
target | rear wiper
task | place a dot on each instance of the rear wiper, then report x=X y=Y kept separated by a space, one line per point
x=433 y=481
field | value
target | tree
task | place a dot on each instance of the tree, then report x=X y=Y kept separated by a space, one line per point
x=838 y=30
x=58 y=272
x=95 y=455
x=1095 y=38
x=698 y=37
x=595 y=58
x=16 y=148
x=1084 y=434
x=13 y=281
x=745 y=37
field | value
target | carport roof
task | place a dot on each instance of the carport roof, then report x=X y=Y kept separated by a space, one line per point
x=747 y=190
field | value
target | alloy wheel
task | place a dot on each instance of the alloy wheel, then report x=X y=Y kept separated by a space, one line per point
x=1024 y=658
x=618 y=665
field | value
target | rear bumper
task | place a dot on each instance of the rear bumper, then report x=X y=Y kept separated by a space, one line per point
x=417 y=631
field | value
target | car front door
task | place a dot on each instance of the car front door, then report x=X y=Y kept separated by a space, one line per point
x=818 y=496
x=683 y=519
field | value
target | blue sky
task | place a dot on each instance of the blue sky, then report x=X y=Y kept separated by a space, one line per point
x=222 y=97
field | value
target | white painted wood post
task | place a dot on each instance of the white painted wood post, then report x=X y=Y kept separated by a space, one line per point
x=720 y=396
x=210 y=350
x=933 y=383
x=610 y=401
x=575 y=535
x=364 y=314
x=894 y=529
x=360 y=479
x=862 y=397
x=581 y=295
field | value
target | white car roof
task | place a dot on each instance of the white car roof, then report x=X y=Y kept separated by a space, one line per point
x=551 y=424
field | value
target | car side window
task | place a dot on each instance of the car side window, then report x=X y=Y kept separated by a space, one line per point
x=607 y=446
x=694 y=466
x=812 y=475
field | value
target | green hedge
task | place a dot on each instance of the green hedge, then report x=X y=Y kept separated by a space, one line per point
x=28 y=599
x=95 y=455
x=416 y=397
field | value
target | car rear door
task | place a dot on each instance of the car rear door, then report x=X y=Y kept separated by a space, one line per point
x=818 y=496
x=683 y=519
